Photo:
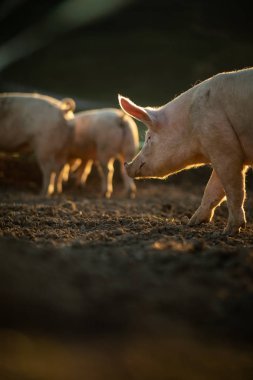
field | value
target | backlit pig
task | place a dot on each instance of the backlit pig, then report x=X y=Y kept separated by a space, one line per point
x=100 y=137
x=40 y=124
x=211 y=123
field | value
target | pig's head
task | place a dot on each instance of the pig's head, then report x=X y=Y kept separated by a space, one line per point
x=171 y=144
x=152 y=160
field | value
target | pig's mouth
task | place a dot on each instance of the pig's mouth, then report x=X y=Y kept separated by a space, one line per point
x=138 y=172
x=134 y=173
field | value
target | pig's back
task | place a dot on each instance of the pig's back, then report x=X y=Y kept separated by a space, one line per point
x=99 y=130
x=102 y=132
x=113 y=130
x=24 y=116
x=226 y=98
x=98 y=121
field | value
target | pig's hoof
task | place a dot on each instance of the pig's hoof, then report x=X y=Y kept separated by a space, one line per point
x=232 y=230
x=185 y=220
x=193 y=221
x=130 y=194
x=44 y=194
x=80 y=185
x=197 y=219
x=107 y=195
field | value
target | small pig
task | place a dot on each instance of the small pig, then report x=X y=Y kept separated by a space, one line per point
x=38 y=124
x=100 y=137
x=211 y=123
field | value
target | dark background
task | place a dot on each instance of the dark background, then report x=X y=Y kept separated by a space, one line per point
x=147 y=50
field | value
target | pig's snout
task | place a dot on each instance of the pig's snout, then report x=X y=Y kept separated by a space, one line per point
x=128 y=167
x=133 y=169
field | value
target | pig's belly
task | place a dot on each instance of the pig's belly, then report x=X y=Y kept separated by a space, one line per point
x=85 y=153
x=13 y=143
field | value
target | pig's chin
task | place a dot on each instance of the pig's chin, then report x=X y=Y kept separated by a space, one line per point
x=144 y=171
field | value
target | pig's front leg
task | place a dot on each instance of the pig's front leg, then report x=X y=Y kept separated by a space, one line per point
x=214 y=194
x=106 y=170
x=129 y=185
x=83 y=172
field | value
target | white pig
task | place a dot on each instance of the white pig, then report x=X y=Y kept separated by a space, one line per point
x=101 y=136
x=211 y=123
x=40 y=124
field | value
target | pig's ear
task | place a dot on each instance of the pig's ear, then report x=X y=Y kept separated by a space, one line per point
x=68 y=104
x=135 y=111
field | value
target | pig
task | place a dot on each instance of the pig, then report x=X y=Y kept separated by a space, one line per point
x=39 y=124
x=101 y=136
x=211 y=123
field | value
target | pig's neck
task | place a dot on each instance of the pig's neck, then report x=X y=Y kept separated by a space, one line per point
x=183 y=145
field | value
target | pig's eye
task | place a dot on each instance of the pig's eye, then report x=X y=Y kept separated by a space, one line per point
x=149 y=137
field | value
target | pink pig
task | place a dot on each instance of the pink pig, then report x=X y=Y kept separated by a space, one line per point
x=39 y=124
x=211 y=123
x=101 y=136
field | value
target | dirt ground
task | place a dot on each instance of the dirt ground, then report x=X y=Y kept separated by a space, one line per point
x=121 y=289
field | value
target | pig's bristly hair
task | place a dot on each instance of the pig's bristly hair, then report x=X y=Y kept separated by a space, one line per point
x=133 y=110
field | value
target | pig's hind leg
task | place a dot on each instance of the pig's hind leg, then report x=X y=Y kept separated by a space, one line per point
x=48 y=178
x=214 y=195
x=223 y=148
x=233 y=180
x=51 y=172
x=228 y=165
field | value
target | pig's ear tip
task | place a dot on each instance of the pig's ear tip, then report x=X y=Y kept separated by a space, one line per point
x=121 y=98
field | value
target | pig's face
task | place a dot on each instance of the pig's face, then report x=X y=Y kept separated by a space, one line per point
x=149 y=162
x=152 y=160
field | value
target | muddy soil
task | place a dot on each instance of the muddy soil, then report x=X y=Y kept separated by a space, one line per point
x=121 y=289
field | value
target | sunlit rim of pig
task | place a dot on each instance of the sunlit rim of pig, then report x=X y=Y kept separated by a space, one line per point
x=165 y=176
